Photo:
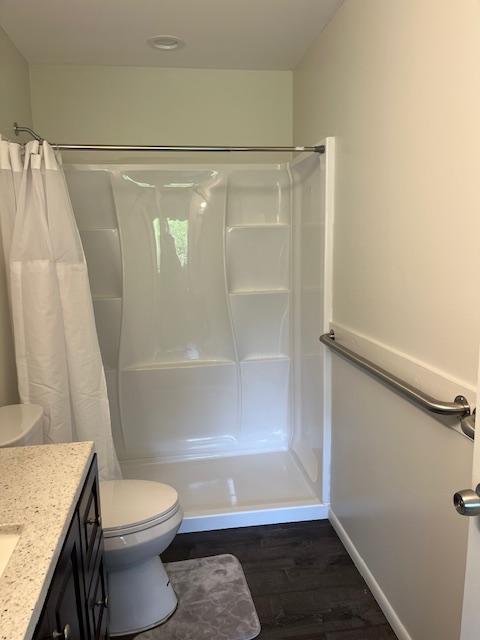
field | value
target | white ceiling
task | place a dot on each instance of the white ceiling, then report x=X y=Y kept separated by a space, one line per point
x=227 y=34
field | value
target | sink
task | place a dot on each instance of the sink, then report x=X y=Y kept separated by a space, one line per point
x=9 y=536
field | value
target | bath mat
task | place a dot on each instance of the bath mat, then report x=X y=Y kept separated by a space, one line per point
x=214 y=602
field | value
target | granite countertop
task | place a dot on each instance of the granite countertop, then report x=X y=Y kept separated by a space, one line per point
x=39 y=490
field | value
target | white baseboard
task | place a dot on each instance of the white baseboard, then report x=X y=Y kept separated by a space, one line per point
x=253 y=517
x=369 y=578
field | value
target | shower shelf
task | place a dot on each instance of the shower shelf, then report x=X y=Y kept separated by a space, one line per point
x=203 y=363
x=259 y=292
x=266 y=358
x=262 y=225
x=106 y=297
x=178 y=364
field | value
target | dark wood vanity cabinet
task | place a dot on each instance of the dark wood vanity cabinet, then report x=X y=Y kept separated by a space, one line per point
x=77 y=600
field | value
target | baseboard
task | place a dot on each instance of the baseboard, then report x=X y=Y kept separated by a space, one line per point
x=378 y=594
x=254 y=517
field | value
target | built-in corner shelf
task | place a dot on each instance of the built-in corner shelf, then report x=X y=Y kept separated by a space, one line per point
x=261 y=225
x=259 y=292
x=178 y=364
x=265 y=357
x=106 y=297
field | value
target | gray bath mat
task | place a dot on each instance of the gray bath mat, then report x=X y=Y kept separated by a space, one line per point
x=214 y=602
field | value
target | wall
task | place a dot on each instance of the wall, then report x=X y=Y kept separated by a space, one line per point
x=15 y=102
x=135 y=105
x=14 y=106
x=397 y=84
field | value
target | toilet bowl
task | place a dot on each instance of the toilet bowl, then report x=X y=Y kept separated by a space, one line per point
x=21 y=425
x=140 y=519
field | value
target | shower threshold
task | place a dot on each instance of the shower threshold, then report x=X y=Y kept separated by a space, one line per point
x=235 y=491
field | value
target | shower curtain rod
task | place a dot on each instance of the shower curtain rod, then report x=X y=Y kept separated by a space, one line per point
x=125 y=147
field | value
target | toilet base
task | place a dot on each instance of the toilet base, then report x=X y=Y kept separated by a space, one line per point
x=140 y=597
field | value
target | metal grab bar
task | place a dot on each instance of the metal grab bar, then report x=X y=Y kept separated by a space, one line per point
x=459 y=407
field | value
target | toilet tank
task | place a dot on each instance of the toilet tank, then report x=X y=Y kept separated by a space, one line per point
x=21 y=425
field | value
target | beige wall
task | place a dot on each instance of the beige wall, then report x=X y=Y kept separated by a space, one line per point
x=14 y=106
x=137 y=105
x=15 y=87
x=397 y=83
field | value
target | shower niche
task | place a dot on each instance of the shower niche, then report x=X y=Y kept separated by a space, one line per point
x=202 y=276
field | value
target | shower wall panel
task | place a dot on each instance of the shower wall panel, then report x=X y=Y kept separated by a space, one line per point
x=175 y=303
x=309 y=180
x=193 y=263
x=258 y=258
x=92 y=199
x=94 y=207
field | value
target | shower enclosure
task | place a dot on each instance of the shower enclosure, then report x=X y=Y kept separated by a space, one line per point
x=211 y=286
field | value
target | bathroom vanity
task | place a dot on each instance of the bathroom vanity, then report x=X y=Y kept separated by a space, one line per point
x=76 y=604
x=53 y=585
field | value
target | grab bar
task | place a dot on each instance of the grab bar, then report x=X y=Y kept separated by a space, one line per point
x=459 y=407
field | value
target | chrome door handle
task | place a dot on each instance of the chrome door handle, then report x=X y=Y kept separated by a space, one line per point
x=467 y=502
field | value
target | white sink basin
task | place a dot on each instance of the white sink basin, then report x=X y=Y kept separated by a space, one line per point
x=9 y=536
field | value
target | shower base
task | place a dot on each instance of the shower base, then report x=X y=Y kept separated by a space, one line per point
x=237 y=491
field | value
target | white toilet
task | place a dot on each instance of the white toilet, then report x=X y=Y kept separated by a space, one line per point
x=140 y=519
x=21 y=425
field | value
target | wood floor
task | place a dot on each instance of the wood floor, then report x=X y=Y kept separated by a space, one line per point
x=303 y=582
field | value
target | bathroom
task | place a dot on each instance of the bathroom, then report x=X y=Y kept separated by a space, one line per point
x=192 y=194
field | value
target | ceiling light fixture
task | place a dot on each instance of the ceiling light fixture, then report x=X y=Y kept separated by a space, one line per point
x=166 y=43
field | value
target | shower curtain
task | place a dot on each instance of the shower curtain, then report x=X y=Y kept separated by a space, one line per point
x=58 y=359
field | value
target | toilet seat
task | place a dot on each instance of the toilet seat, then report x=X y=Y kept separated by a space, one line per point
x=130 y=506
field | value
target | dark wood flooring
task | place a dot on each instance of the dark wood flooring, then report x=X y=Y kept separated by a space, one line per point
x=303 y=582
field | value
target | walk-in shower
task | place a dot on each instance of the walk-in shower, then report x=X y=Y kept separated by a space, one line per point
x=211 y=286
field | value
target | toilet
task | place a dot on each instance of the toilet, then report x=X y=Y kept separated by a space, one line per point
x=140 y=519
x=21 y=425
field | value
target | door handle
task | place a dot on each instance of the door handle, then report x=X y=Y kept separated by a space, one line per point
x=467 y=502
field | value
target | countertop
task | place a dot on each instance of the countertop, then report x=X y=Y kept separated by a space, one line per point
x=39 y=490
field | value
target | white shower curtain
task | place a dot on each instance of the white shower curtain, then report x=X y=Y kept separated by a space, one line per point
x=58 y=359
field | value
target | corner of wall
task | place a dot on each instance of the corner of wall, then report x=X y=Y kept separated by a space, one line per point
x=14 y=106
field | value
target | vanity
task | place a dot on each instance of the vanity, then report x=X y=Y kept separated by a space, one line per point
x=52 y=580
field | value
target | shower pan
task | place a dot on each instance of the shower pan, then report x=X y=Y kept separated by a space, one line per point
x=211 y=286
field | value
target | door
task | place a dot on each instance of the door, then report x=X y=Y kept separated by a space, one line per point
x=469 y=502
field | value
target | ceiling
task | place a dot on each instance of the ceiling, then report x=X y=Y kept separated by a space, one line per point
x=222 y=34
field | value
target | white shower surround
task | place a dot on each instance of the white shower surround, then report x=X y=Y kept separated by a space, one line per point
x=208 y=396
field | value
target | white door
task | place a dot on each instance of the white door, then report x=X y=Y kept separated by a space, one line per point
x=470 y=500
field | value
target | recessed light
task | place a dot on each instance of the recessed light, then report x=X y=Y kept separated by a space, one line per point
x=166 y=43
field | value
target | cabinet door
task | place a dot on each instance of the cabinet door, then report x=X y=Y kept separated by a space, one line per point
x=44 y=628
x=64 y=611
x=97 y=601
x=90 y=522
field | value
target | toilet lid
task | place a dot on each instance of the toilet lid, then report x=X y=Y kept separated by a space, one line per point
x=126 y=504
x=17 y=419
